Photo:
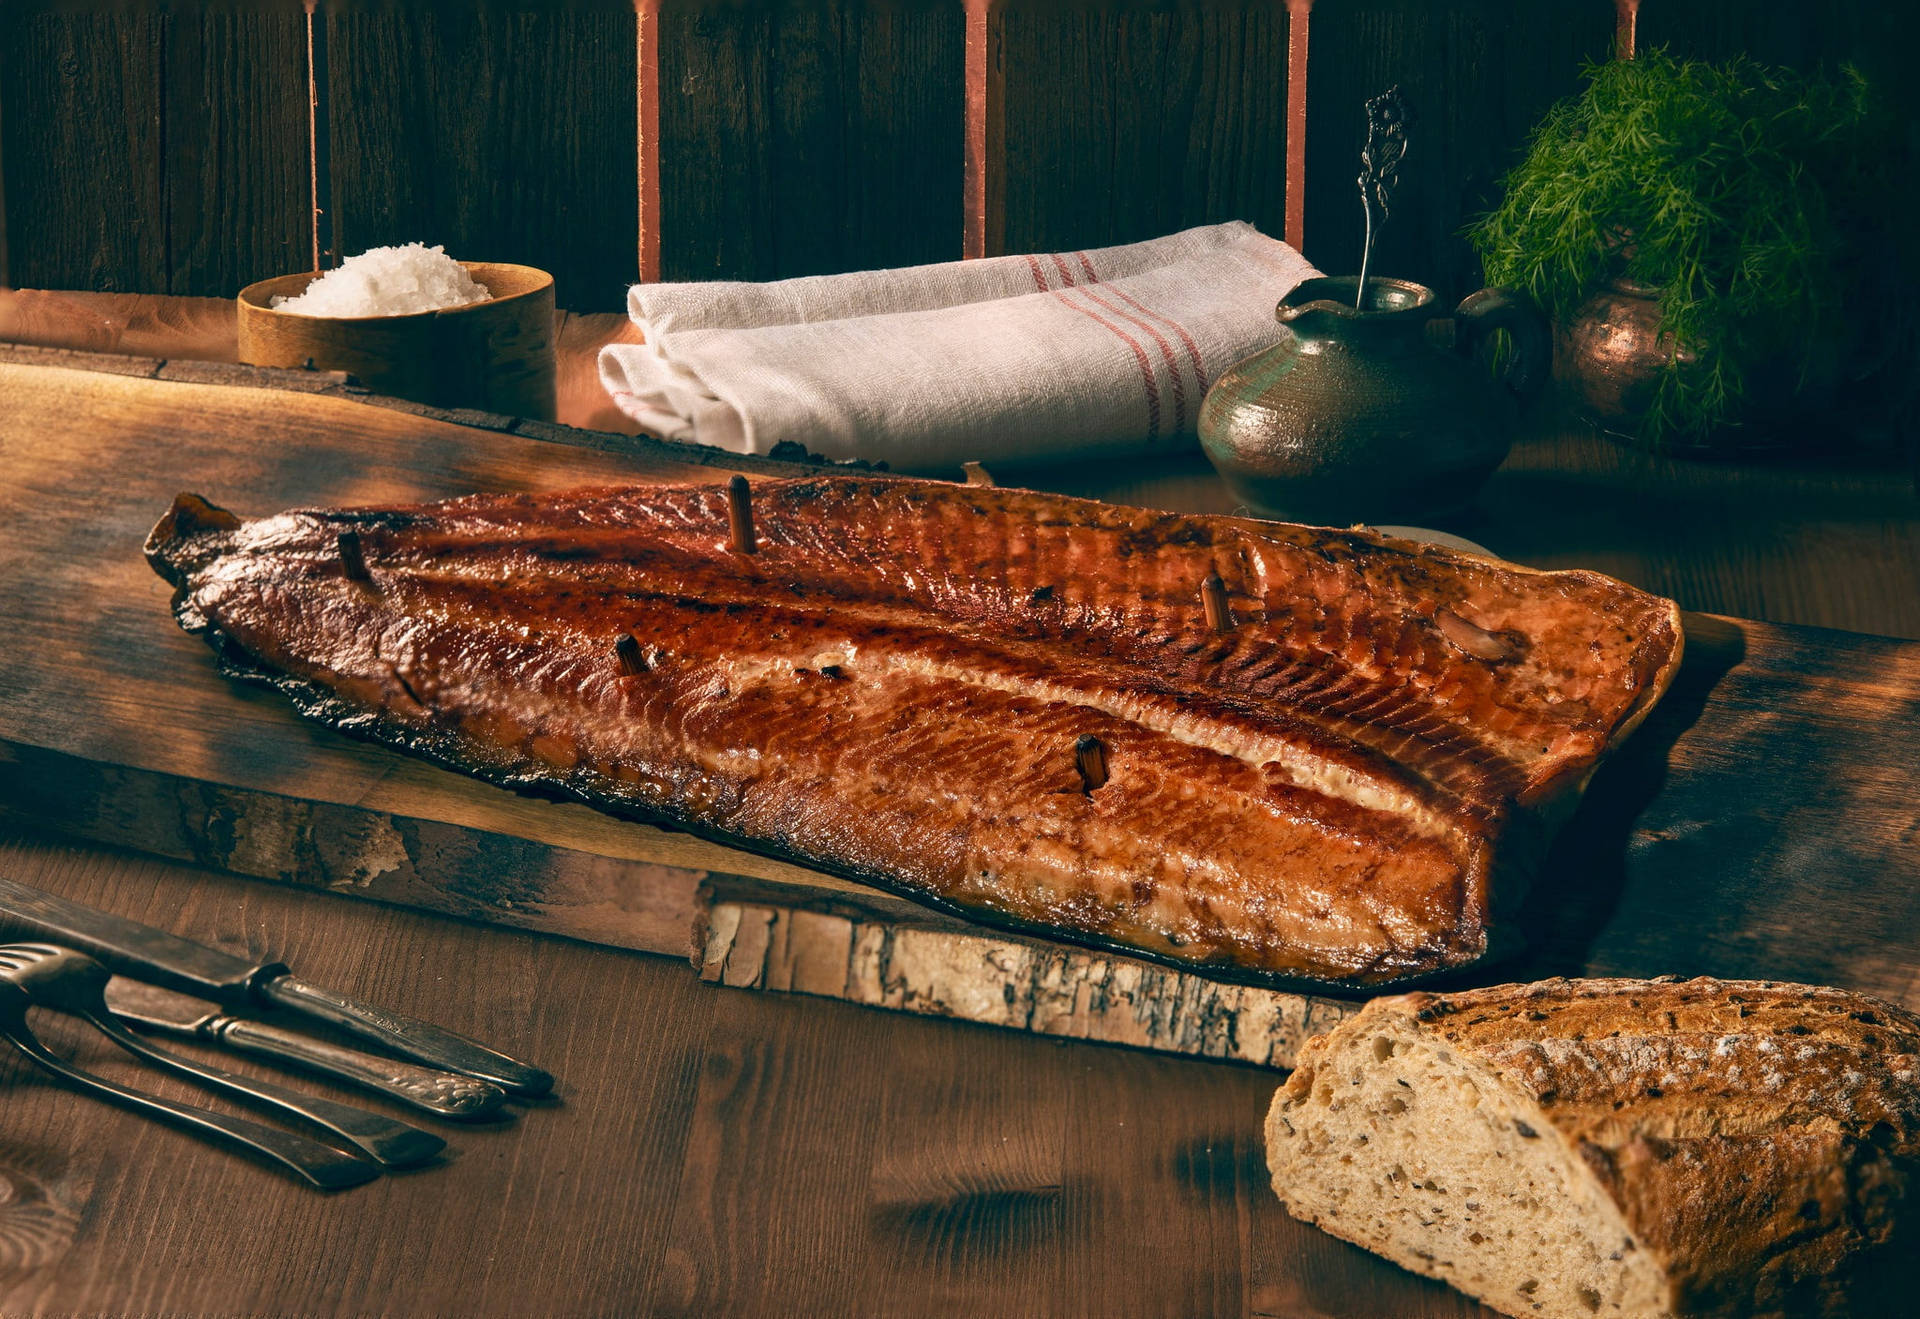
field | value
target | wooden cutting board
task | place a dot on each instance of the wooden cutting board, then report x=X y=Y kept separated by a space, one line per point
x=1765 y=822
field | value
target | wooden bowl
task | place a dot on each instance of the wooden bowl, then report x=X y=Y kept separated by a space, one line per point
x=495 y=355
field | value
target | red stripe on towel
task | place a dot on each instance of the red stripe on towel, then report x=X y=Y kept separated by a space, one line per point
x=1065 y=274
x=1166 y=355
x=1139 y=355
x=1193 y=349
x=1039 y=277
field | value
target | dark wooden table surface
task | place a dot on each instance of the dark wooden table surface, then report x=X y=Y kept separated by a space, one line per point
x=713 y=1151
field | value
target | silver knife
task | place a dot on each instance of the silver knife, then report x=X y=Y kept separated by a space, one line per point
x=441 y=1093
x=130 y=948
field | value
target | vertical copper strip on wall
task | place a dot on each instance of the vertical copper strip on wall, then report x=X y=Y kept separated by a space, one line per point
x=313 y=138
x=1626 y=21
x=1297 y=28
x=977 y=166
x=646 y=15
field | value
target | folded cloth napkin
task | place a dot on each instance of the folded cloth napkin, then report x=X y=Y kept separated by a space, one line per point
x=1014 y=359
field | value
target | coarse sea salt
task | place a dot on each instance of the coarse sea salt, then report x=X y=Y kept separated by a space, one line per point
x=389 y=281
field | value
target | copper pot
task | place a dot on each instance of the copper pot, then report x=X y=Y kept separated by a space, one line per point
x=1608 y=359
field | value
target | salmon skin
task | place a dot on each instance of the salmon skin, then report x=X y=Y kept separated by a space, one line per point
x=1340 y=771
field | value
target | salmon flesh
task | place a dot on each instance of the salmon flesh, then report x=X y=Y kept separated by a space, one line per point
x=1337 y=764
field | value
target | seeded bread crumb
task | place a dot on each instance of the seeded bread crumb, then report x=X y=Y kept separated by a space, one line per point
x=1616 y=1147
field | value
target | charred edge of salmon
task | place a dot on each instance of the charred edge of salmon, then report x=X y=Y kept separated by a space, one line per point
x=190 y=515
x=320 y=705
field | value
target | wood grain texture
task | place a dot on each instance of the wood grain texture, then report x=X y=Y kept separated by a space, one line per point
x=154 y=148
x=1128 y=121
x=238 y=186
x=82 y=146
x=1819 y=544
x=203 y=330
x=505 y=132
x=801 y=138
x=1476 y=76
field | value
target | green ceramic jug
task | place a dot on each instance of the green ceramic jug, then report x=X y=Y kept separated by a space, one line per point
x=1363 y=414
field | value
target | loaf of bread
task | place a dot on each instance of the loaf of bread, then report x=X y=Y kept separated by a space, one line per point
x=1619 y=1147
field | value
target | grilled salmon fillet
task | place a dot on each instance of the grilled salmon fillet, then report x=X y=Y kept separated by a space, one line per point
x=1340 y=769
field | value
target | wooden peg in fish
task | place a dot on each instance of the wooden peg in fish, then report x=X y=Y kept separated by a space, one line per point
x=353 y=560
x=1090 y=758
x=976 y=474
x=1213 y=594
x=740 y=517
x=627 y=656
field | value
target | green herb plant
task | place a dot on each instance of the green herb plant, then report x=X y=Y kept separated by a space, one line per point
x=1754 y=199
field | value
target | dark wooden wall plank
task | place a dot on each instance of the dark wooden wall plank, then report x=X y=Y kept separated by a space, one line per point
x=1477 y=75
x=1126 y=121
x=158 y=148
x=239 y=187
x=1880 y=38
x=803 y=138
x=504 y=131
x=1799 y=35
x=81 y=144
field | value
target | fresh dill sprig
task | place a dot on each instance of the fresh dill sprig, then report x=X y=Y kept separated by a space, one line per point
x=1753 y=198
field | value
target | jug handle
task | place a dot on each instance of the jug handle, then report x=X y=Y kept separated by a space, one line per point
x=1480 y=314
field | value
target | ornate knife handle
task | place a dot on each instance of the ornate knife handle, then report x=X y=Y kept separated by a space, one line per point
x=405 y=1036
x=441 y=1093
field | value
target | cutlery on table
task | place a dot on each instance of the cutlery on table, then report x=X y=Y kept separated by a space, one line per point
x=318 y=1165
x=72 y=982
x=133 y=949
x=445 y=1094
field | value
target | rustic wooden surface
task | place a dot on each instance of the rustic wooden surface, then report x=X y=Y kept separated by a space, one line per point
x=164 y=145
x=710 y=1153
x=790 y=1155
x=506 y=132
x=800 y=139
x=80 y=148
x=1127 y=121
x=204 y=330
x=163 y=150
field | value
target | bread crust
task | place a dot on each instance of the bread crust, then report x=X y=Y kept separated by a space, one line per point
x=1760 y=1139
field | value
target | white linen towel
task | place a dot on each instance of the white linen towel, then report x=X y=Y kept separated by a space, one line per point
x=1014 y=359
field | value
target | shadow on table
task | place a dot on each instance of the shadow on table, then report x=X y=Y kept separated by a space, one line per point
x=1584 y=876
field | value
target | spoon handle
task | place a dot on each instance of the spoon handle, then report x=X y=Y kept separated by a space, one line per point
x=444 y=1094
x=318 y=1165
x=387 y=1142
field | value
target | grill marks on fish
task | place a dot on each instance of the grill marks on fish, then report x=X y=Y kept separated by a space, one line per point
x=1317 y=793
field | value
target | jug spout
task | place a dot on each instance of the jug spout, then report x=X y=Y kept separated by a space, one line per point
x=1324 y=307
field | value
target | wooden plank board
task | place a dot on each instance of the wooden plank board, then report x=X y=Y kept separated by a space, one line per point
x=239 y=180
x=808 y=138
x=505 y=132
x=1769 y=790
x=81 y=145
x=139 y=743
x=155 y=148
x=1125 y=122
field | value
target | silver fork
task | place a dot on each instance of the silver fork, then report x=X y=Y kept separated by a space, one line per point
x=69 y=981
x=318 y=1165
